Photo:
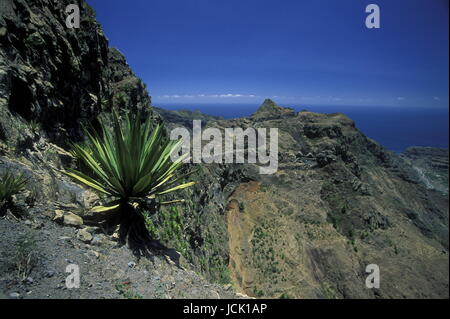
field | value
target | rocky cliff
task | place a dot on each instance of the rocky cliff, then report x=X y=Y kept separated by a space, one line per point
x=52 y=81
x=54 y=78
x=338 y=202
x=431 y=165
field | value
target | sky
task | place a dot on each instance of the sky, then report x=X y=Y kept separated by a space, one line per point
x=293 y=51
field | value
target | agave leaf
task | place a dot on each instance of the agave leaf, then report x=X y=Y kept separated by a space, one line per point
x=182 y=186
x=101 y=209
x=11 y=184
x=173 y=202
x=87 y=181
x=176 y=180
x=133 y=160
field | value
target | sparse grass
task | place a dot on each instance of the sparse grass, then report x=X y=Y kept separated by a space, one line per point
x=167 y=226
x=258 y=292
x=34 y=126
x=122 y=99
x=328 y=290
x=364 y=234
x=224 y=275
x=127 y=292
x=352 y=243
x=26 y=255
x=264 y=256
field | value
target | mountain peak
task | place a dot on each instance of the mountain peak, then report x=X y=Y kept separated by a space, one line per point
x=268 y=103
x=271 y=110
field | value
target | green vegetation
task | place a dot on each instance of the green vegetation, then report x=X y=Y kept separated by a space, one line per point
x=396 y=250
x=264 y=256
x=212 y=263
x=364 y=234
x=167 y=226
x=220 y=270
x=10 y=185
x=122 y=99
x=104 y=101
x=352 y=243
x=34 y=126
x=125 y=290
x=328 y=290
x=131 y=166
x=285 y=295
x=25 y=255
x=339 y=214
x=258 y=292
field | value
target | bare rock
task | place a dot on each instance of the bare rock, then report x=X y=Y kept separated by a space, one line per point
x=84 y=235
x=70 y=219
x=59 y=216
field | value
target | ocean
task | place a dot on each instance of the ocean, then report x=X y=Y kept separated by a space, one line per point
x=394 y=127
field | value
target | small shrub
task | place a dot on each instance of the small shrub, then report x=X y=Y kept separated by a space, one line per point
x=125 y=290
x=34 y=126
x=258 y=292
x=131 y=166
x=285 y=296
x=10 y=185
x=26 y=255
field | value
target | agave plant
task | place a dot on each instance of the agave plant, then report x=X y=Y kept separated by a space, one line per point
x=10 y=185
x=130 y=164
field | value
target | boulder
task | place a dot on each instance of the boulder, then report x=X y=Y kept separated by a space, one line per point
x=84 y=235
x=70 y=219
x=59 y=215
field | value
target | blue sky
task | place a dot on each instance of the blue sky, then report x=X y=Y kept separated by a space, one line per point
x=294 y=51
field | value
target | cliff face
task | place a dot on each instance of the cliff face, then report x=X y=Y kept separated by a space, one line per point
x=55 y=76
x=338 y=202
x=52 y=80
x=431 y=165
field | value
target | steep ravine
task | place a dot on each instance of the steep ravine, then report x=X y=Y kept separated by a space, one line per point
x=310 y=229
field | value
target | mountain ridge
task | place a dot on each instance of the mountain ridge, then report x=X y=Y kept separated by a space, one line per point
x=338 y=202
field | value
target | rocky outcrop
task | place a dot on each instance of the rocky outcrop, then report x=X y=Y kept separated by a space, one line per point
x=431 y=165
x=55 y=78
x=270 y=110
x=107 y=270
x=338 y=202
x=184 y=117
x=52 y=81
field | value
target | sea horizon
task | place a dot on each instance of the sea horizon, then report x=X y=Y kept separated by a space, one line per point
x=396 y=128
